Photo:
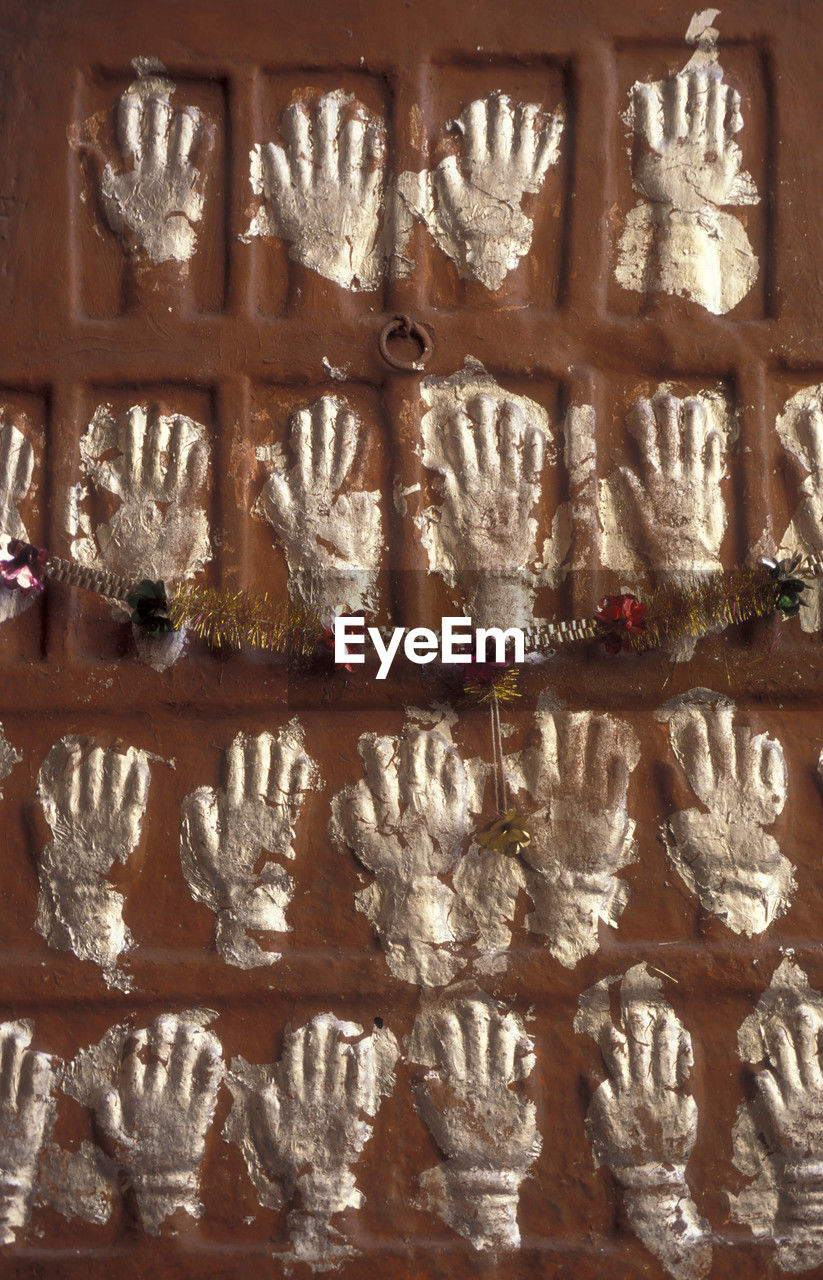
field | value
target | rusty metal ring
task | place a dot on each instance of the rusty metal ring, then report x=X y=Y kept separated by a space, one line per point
x=401 y=326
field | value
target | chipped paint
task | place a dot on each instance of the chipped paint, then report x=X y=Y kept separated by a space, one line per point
x=679 y=240
x=156 y=197
x=153 y=1093
x=800 y=428
x=225 y=833
x=16 y=471
x=486 y=1131
x=331 y=533
x=155 y=465
x=573 y=788
x=778 y=1137
x=323 y=192
x=78 y=1184
x=490 y=447
x=471 y=203
x=27 y=1083
x=641 y=1122
x=302 y=1122
x=9 y=757
x=725 y=856
x=408 y=821
x=94 y=800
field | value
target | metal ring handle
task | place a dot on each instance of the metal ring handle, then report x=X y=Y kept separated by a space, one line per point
x=401 y=326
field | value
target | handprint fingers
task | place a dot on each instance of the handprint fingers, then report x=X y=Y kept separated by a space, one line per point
x=206 y=1076
x=639 y=1022
x=326 y=131
x=184 y=133
x=476 y=1024
x=183 y=1055
x=647 y=113
x=614 y=1047
x=642 y=423
x=474 y=126
x=783 y=1053
x=668 y=1050
x=296 y=129
x=695 y=432
x=676 y=107
x=14 y=1042
x=697 y=107
x=807 y=1028
x=450 y=1047
x=129 y=126
x=716 y=111
x=500 y=127
x=16 y=466
x=380 y=770
x=156 y=121
x=482 y=411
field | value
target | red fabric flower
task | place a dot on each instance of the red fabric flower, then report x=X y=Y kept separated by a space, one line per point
x=22 y=566
x=623 y=617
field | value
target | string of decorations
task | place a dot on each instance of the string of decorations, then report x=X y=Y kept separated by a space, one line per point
x=669 y=613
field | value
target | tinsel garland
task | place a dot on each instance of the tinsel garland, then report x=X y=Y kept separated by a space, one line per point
x=239 y=618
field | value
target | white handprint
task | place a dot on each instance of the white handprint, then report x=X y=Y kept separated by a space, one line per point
x=724 y=856
x=779 y=1133
x=155 y=465
x=156 y=197
x=302 y=1122
x=486 y=1132
x=16 y=470
x=27 y=1083
x=225 y=833
x=408 y=821
x=800 y=427
x=332 y=539
x=641 y=1122
x=323 y=191
x=94 y=800
x=683 y=243
x=471 y=203
x=668 y=513
x=577 y=774
x=153 y=1093
x=489 y=446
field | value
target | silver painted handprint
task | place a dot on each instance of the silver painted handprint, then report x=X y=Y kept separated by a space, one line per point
x=489 y=447
x=331 y=535
x=800 y=428
x=486 y=1132
x=155 y=195
x=679 y=240
x=779 y=1133
x=641 y=1122
x=408 y=821
x=94 y=800
x=471 y=203
x=323 y=191
x=304 y=1121
x=224 y=835
x=577 y=775
x=153 y=1093
x=724 y=855
x=155 y=465
x=668 y=513
x=16 y=471
x=27 y=1083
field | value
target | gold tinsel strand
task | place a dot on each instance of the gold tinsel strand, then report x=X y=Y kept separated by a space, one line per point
x=676 y=612
x=238 y=618
x=503 y=686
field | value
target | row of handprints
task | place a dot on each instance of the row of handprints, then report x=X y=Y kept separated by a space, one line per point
x=326 y=190
x=302 y=1122
x=441 y=902
x=490 y=530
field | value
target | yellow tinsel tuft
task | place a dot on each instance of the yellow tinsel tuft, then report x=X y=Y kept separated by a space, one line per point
x=238 y=618
x=502 y=686
x=676 y=612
